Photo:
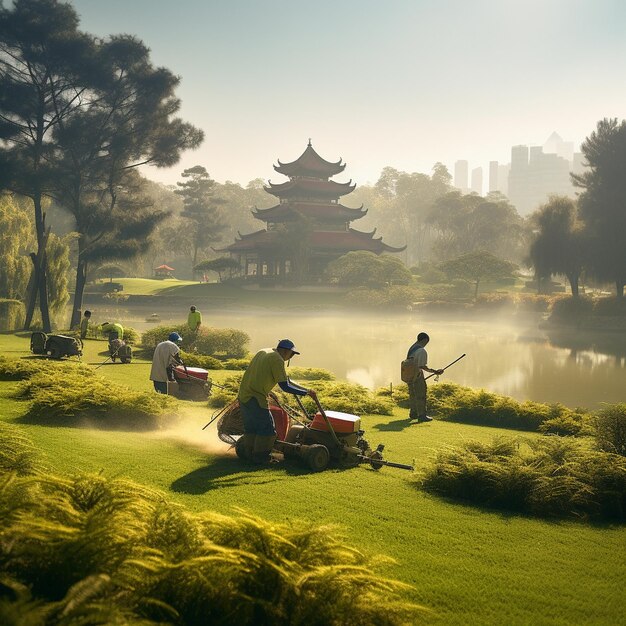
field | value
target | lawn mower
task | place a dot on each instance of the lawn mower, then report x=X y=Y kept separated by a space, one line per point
x=55 y=346
x=119 y=349
x=318 y=440
x=189 y=383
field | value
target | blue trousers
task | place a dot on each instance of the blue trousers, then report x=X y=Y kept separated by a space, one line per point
x=257 y=420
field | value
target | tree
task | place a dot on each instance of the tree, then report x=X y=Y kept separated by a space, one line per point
x=559 y=246
x=603 y=202
x=366 y=269
x=466 y=223
x=219 y=265
x=45 y=62
x=15 y=239
x=110 y=271
x=478 y=266
x=59 y=265
x=411 y=200
x=201 y=208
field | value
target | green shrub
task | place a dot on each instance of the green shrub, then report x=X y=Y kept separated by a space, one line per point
x=12 y=314
x=571 y=309
x=87 y=549
x=17 y=452
x=610 y=429
x=225 y=343
x=18 y=369
x=610 y=307
x=236 y=364
x=432 y=275
x=476 y=406
x=558 y=477
x=334 y=396
x=310 y=373
x=64 y=393
x=192 y=359
x=394 y=296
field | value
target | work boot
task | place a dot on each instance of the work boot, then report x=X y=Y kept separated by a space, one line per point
x=263 y=445
x=424 y=418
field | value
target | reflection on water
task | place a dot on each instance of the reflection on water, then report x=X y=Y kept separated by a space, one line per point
x=509 y=357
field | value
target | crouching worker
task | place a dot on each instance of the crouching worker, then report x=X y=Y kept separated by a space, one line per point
x=266 y=370
x=165 y=355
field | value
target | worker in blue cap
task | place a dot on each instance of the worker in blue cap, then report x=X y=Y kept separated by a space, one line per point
x=266 y=370
x=165 y=355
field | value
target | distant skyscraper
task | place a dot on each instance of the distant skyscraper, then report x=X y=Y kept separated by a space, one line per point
x=493 y=176
x=477 y=180
x=460 y=175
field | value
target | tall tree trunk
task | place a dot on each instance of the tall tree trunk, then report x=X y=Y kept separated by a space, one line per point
x=573 y=283
x=619 y=289
x=81 y=279
x=40 y=284
x=32 y=293
x=476 y=291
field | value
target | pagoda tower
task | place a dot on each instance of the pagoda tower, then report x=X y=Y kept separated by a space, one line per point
x=308 y=228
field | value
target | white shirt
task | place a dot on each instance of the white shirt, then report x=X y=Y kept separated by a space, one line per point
x=420 y=356
x=163 y=357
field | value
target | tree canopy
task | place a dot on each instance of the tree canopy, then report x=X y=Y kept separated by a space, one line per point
x=603 y=201
x=366 y=269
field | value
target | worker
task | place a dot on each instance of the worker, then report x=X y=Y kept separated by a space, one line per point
x=113 y=329
x=194 y=319
x=84 y=324
x=266 y=369
x=165 y=355
x=417 y=387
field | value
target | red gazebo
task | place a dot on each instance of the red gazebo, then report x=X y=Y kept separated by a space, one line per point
x=163 y=271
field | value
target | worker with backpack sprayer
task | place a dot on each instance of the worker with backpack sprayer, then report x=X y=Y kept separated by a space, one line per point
x=412 y=373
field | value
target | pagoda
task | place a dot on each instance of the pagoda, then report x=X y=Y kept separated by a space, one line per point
x=308 y=228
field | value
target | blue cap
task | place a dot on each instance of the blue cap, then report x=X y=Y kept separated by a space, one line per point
x=175 y=337
x=288 y=345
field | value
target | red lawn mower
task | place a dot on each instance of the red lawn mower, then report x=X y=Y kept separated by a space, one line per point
x=320 y=439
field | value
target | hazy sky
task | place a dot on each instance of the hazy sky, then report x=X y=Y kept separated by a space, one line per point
x=403 y=83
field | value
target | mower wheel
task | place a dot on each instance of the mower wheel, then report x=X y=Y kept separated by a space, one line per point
x=317 y=457
x=241 y=450
x=293 y=433
x=125 y=359
x=374 y=457
x=53 y=350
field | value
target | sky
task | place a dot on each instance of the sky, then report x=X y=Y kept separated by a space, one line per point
x=400 y=83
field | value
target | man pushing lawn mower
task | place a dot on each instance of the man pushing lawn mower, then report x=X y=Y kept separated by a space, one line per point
x=266 y=370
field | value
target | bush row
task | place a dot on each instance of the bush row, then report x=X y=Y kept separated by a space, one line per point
x=557 y=477
x=91 y=550
x=222 y=343
x=70 y=392
x=334 y=396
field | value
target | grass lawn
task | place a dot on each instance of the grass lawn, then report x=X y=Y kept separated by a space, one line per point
x=469 y=565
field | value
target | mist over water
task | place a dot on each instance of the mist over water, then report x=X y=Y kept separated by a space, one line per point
x=507 y=355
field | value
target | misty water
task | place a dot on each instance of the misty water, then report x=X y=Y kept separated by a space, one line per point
x=511 y=356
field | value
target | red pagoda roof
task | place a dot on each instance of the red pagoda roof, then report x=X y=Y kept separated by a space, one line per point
x=285 y=212
x=309 y=163
x=351 y=240
x=321 y=241
x=307 y=188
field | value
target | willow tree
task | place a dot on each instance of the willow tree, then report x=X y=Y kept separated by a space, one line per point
x=15 y=240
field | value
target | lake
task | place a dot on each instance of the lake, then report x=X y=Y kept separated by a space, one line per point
x=507 y=355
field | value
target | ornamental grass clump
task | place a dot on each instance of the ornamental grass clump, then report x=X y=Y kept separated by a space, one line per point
x=91 y=550
x=17 y=452
x=455 y=403
x=19 y=369
x=71 y=393
x=550 y=477
x=610 y=428
x=310 y=373
x=192 y=359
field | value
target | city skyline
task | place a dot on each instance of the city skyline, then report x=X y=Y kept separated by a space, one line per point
x=403 y=84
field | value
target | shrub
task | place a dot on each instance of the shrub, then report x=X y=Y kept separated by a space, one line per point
x=236 y=364
x=432 y=275
x=310 y=373
x=610 y=429
x=395 y=296
x=225 y=343
x=559 y=477
x=571 y=309
x=17 y=452
x=18 y=369
x=12 y=314
x=227 y=393
x=610 y=307
x=92 y=550
x=68 y=393
x=193 y=359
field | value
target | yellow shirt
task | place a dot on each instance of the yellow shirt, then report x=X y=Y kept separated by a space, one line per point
x=194 y=319
x=266 y=370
